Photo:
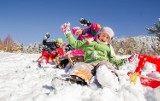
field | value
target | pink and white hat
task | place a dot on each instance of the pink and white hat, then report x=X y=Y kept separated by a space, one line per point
x=75 y=29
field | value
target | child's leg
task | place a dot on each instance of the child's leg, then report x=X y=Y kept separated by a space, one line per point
x=45 y=56
x=39 y=58
x=106 y=78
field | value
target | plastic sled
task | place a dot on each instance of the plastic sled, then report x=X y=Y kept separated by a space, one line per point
x=148 y=81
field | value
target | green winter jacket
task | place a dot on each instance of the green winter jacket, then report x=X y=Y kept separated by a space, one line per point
x=95 y=51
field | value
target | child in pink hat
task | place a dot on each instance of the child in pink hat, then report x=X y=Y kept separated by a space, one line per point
x=90 y=32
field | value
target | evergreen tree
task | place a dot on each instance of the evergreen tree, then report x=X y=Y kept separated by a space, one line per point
x=155 y=30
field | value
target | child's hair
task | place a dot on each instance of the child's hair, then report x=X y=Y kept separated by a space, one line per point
x=75 y=29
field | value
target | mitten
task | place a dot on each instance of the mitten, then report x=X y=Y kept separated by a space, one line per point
x=46 y=36
x=85 y=22
x=89 y=40
x=66 y=28
x=132 y=58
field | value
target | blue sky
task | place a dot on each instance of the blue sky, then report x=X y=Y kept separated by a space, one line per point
x=27 y=21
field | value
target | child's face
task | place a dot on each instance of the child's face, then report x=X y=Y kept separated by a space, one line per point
x=78 y=33
x=103 y=37
x=58 y=44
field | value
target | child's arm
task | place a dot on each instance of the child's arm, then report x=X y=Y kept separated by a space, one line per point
x=44 y=42
x=74 y=42
x=114 y=60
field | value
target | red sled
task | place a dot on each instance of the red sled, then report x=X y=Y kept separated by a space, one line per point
x=146 y=80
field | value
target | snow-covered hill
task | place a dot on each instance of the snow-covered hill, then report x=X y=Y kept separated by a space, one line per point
x=122 y=46
x=140 y=44
x=22 y=80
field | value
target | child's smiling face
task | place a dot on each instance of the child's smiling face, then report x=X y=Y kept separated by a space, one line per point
x=79 y=32
x=104 y=37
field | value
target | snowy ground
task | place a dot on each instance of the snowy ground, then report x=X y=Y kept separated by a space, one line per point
x=22 y=80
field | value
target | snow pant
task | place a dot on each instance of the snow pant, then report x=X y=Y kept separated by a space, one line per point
x=106 y=75
x=107 y=78
x=103 y=71
x=47 y=55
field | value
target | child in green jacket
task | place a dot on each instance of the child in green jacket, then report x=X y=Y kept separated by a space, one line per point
x=96 y=51
x=98 y=54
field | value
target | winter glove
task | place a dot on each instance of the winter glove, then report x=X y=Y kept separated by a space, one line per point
x=85 y=22
x=66 y=28
x=134 y=78
x=132 y=58
x=46 y=36
x=89 y=40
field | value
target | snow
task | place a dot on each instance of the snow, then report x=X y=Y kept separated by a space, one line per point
x=22 y=80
